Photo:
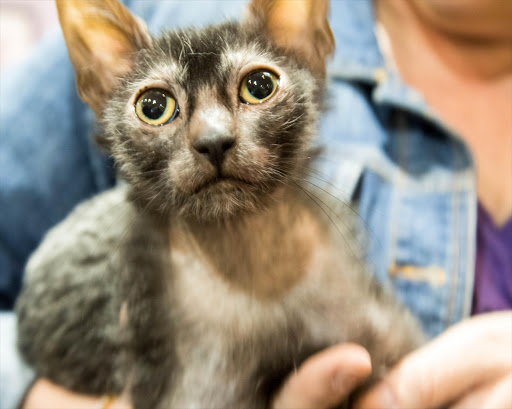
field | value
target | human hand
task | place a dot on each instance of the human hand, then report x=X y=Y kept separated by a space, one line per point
x=469 y=366
x=47 y=395
x=325 y=379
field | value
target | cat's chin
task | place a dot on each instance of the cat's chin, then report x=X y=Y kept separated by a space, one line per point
x=224 y=198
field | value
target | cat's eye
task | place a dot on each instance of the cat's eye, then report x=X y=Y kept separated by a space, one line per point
x=156 y=107
x=258 y=86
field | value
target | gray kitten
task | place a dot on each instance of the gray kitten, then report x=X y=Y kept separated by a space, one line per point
x=214 y=272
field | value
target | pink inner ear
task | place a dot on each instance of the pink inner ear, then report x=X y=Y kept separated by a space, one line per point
x=289 y=18
x=299 y=25
x=110 y=47
x=102 y=36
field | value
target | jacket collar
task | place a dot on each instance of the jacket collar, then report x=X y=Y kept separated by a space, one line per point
x=357 y=54
x=358 y=58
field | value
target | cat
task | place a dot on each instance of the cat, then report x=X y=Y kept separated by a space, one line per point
x=214 y=272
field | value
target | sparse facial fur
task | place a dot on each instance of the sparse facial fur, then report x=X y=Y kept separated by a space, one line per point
x=228 y=272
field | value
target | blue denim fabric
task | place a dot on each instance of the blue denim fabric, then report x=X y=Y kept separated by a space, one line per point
x=47 y=160
x=416 y=188
x=412 y=178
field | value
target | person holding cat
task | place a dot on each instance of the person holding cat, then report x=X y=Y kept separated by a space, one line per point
x=393 y=140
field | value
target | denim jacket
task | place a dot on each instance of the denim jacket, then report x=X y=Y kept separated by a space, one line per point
x=413 y=180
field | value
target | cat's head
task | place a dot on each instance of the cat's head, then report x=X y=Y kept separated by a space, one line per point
x=203 y=122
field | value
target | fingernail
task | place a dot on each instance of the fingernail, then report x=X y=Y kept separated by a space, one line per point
x=380 y=396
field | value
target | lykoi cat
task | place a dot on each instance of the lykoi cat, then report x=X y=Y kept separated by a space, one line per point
x=230 y=272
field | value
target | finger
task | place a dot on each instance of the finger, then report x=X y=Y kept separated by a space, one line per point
x=325 y=379
x=471 y=353
x=494 y=395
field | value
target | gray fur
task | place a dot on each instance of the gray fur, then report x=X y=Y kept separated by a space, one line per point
x=229 y=284
x=71 y=293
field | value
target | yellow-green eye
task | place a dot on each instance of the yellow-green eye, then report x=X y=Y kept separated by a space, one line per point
x=156 y=107
x=258 y=86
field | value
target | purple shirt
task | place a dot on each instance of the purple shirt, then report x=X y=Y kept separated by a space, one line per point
x=493 y=269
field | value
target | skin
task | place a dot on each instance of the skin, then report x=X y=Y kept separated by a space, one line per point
x=461 y=48
x=325 y=379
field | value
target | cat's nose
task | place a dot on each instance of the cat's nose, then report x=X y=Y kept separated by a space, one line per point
x=214 y=146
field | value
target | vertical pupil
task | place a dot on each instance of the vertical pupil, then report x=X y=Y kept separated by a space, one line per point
x=154 y=104
x=260 y=85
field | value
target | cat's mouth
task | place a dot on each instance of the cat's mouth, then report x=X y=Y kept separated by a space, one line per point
x=222 y=183
x=223 y=196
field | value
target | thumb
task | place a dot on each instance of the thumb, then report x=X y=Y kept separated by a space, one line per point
x=325 y=379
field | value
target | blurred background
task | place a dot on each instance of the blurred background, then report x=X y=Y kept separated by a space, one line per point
x=22 y=25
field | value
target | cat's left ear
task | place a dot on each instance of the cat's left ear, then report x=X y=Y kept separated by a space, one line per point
x=297 y=25
x=102 y=37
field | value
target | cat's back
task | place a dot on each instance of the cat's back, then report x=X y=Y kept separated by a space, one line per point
x=54 y=312
x=84 y=236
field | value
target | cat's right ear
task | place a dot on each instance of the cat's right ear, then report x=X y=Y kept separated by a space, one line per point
x=102 y=37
